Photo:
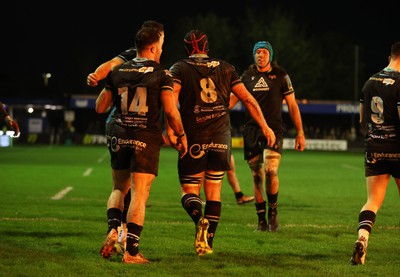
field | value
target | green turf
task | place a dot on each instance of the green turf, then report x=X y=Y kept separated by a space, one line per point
x=320 y=196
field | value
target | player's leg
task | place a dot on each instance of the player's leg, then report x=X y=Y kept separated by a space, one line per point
x=257 y=171
x=272 y=161
x=234 y=183
x=376 y=191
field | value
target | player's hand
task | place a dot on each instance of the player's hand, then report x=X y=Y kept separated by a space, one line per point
x=92 y=80
x=270 y=135
x=182 y=146
x=300 y=143
x=14 y=126
x=179 y=143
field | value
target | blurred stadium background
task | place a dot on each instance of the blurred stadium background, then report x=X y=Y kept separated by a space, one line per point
x=328 y=125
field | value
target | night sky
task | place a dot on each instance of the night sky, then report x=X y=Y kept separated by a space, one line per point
x=41 y=37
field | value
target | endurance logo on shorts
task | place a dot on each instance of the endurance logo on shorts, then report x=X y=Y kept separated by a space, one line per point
x=373 y=157
x=118 y=143
x=197 y=151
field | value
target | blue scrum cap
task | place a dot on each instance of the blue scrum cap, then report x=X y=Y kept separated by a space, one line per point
x=266 y=45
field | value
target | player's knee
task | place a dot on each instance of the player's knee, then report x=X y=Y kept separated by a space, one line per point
x=255 y=166
x=271 y=164
x=272 y=172
x=190 y=184
x=256 y=171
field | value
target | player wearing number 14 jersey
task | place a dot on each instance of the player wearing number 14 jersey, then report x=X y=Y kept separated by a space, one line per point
x=140 y=90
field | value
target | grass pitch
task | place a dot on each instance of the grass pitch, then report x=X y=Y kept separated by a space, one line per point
x=53 y=219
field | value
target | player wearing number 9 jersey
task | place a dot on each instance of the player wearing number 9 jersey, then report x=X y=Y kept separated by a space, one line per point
x=202 y=87
x=380 y=114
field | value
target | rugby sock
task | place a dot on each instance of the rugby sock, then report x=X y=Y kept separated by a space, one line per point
x=366 y=220
x=272 y=200
x=113 y=219
x=238 y=195
x=261 y=211
x=132 y=238
x=122 y=229
x=192 y=205
x=212 y=212
x=127 y=201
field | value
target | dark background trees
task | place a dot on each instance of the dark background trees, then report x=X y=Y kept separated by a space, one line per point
x=320 y=59
x=321 y=67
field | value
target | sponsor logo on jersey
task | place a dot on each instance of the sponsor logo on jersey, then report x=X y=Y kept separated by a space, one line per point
x=385 y=81
x=261 y=85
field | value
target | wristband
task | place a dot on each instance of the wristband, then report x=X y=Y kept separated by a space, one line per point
x=182 y=135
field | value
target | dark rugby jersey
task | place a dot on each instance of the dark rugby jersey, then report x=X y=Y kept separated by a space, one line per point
x=381 y=98
x=269 y=89
x=136 y=88
x=205 y=108
x=128 y=54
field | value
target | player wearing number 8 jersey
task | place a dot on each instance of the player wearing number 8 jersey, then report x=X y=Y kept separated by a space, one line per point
x=140 y=90
x=380 y=114
x=202 y=87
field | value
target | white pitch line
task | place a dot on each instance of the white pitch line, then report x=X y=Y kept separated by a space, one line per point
x=87 y=172
x=102 y=158
x=62 y=193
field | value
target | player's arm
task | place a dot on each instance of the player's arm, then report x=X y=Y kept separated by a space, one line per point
x=10 y=122
x=102 y=70
x=104 y=101
x=255 y=111
x=175 y=130
x=3 y=111
x=294 y=112
x=233 y=99
x=170 y=132
x=362 y=120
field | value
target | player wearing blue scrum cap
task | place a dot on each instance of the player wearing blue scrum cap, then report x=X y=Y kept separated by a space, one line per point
x=264 y=45
x=270 y=85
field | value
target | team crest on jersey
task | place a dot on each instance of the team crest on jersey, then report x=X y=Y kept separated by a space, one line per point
x=261 y=85
x=388 y=81
x=146 y=69
x=213 y=64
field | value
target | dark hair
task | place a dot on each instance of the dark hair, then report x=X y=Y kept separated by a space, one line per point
x=395 y=49
x=153 y=24
x=146 y=36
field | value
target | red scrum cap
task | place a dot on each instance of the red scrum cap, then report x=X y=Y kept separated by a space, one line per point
x=196 y=42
